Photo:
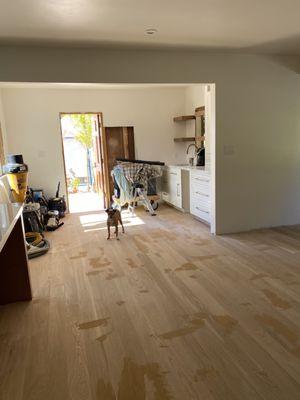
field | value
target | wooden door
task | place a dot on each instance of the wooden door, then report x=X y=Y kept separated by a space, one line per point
x=119 y=143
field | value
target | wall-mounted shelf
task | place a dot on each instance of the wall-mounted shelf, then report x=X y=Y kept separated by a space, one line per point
x=184 y=139
x=200 y=111
x=189 y=139
x=183 y=118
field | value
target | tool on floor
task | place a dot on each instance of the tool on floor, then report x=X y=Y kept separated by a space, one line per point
x=53 y=221
x=58 y=203
x=37 y=245
x=37 y=213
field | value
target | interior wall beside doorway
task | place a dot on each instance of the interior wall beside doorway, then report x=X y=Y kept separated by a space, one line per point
x=3 y=142
x=36 y=131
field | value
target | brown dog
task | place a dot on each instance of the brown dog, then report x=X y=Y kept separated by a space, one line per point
x=113 y=219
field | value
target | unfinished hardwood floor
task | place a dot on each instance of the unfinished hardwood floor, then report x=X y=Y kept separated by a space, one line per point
x=167 y=312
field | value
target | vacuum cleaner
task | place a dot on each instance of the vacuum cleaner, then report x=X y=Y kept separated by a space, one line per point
x=37 y=245
x=58 y=203
x=17 y=175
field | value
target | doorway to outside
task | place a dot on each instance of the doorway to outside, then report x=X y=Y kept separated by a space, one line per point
x=83 y=162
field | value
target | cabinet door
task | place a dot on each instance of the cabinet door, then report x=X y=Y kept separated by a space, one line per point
x=175 y=187
x=166 y=185
x=200 y=195
x=172 y=187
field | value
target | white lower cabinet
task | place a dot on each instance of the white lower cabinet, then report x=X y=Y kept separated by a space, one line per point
x=199 y=191
x=200 y=194
x=172 y=186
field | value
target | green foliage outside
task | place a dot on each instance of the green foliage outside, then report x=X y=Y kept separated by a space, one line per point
x=84 y=135
x=83 y=126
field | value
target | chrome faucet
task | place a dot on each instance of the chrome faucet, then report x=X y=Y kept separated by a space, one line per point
x=192 y=144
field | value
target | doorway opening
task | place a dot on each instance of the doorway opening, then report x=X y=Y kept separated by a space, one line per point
x=83 y=161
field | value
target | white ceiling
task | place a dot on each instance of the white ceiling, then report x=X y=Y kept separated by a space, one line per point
x=52 y=85
x=270 y=26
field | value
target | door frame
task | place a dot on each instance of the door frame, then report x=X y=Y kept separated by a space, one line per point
x=2 y=154
x=104 y=160
x=102 y=151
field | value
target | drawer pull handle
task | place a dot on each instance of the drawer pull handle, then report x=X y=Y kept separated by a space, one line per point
x=207 y=212
x=173 y=173
x=203 y=194
x=201 y=179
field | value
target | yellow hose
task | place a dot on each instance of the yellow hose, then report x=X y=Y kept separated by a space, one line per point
x=36 y=236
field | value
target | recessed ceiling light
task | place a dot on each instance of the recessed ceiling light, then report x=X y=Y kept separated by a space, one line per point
x=151 y=31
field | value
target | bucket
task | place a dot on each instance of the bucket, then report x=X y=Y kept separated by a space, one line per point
x=17 y=176
x=18 y=183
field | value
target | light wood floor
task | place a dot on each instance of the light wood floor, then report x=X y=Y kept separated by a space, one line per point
x=168 y=312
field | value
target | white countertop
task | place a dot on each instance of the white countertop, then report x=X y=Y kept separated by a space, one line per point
x=189 y=168
x=9 y=214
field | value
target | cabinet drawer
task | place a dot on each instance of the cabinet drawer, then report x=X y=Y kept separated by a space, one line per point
x=200 y=212
x=200 y=190
x=202 y=202
x=198 y=177
x=200 y=187
x=199 y=180
x=174 y=173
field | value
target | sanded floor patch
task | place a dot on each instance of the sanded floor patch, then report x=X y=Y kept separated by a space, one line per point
x=139 y=243
x=97 y=263
x=102 y=338
x=225 y=322
x=81 y=254
x=206 y=373
x=132 y=384
x=93 y=273
x=204 y=258
x=194 y=324
x=162 y=234
x=261 y=275
x=132 y=263
x=277 y=327
x=111 y=275
x=187 y=267
x=93 y=324
x=202 y=242
x=296 y=352
x=276 y=300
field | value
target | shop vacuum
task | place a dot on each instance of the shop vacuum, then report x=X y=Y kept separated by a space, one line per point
x=58 y=203
x=17 y=175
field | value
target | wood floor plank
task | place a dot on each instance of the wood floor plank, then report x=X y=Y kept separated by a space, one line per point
x=167 y=312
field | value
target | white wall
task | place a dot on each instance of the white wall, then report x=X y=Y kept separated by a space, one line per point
x=33 y=126
x=194 y=97
x=2 y=124
x=257 y=116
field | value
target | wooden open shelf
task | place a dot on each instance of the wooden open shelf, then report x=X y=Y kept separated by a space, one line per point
x=183 y=118
x=184 y=139
x=189 y=139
